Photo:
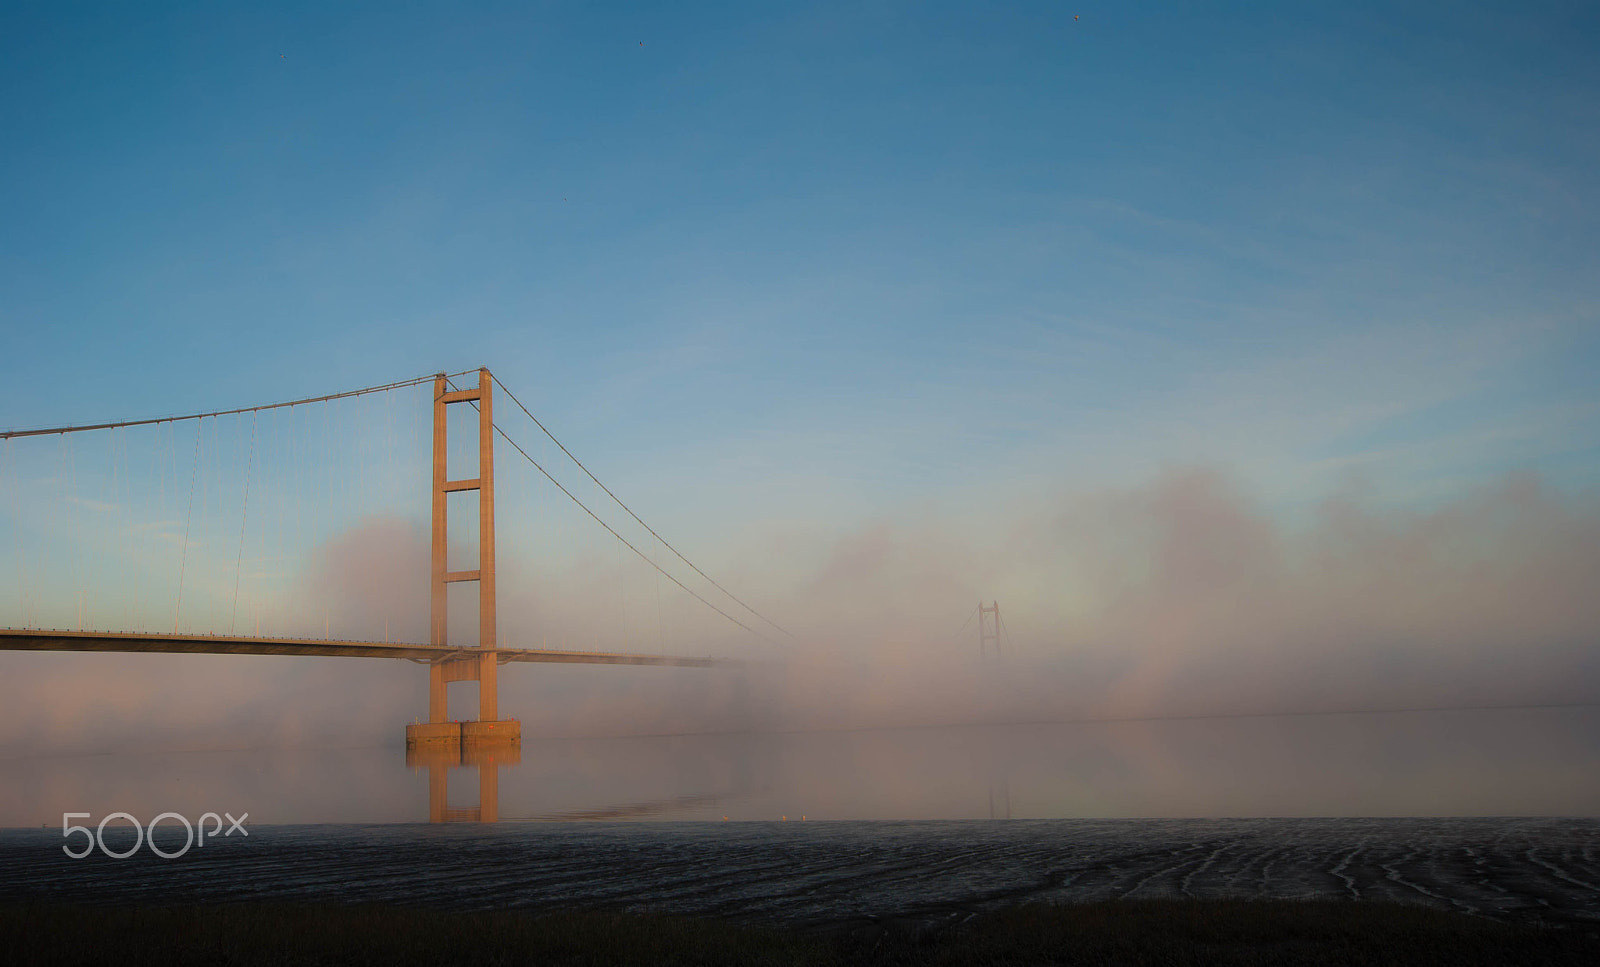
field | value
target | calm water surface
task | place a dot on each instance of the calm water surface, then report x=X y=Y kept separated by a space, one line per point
x=1519 y=762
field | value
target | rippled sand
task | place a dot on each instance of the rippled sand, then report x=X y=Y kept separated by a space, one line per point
x=836 y=873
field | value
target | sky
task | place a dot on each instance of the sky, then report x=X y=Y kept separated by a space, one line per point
x=857 y=303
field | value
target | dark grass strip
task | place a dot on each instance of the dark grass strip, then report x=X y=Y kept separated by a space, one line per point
x=1165 y=933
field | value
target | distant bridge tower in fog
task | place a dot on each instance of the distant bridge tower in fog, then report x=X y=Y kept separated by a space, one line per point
x=988 y=628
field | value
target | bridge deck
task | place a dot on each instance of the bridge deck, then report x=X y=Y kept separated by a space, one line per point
x=16 y=639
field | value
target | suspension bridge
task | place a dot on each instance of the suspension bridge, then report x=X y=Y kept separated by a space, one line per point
x=446 y=660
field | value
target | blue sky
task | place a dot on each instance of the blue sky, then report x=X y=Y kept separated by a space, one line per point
x=820 y=262
x=871 y=308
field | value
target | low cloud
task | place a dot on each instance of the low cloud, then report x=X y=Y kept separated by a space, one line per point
x=1186 y=597
x=1181 y=597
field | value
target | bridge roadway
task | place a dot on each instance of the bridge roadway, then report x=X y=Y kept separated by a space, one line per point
x=28 y=639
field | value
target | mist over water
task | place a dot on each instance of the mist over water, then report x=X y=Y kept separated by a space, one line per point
x=1180 y=597
x=1523 y=762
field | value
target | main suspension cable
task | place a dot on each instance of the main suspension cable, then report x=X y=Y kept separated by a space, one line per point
x=415 y=381
x=641 y=523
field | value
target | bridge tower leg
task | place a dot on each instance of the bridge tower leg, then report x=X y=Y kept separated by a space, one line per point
x=484 y=666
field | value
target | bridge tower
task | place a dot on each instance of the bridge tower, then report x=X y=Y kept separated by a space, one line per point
x=482 y=667
x=988 y=628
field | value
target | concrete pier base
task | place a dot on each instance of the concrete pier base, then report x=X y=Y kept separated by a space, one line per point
x=502 y=733
x=462 y=735
x=433 y=735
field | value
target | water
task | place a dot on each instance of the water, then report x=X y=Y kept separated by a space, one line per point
x=1514 y=762
x=1491 y=812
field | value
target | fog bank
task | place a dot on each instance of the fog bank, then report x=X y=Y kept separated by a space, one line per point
x=1183 y=596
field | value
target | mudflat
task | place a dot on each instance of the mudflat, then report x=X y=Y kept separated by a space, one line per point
x=841 y=875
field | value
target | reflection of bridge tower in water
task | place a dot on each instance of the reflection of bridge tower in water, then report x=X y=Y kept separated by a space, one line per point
x=440 y=758
x=482 y=663
x=1000 y=798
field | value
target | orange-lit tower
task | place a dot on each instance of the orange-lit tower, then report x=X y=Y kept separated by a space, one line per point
x=482 y=667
